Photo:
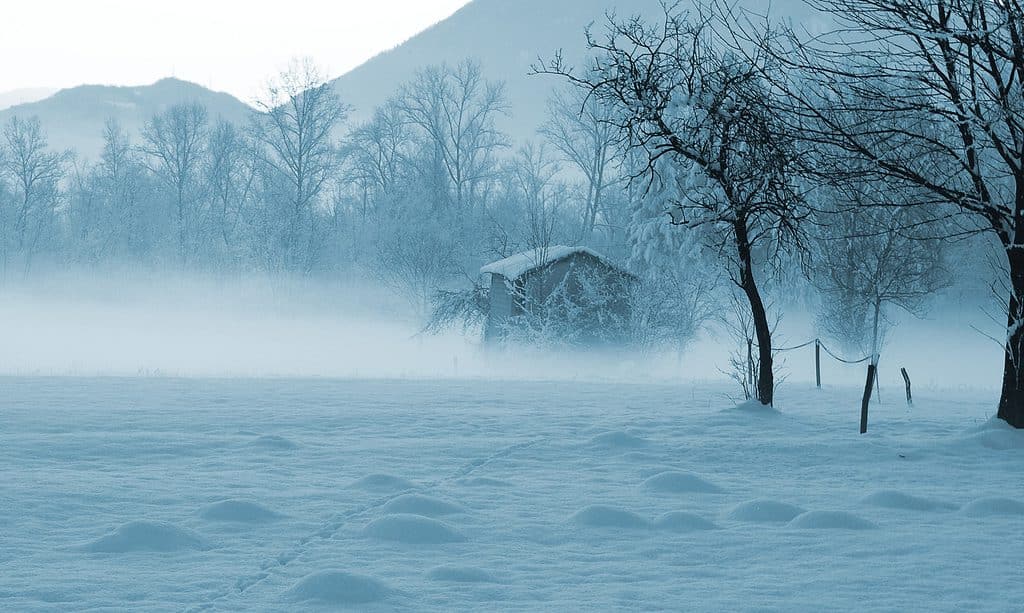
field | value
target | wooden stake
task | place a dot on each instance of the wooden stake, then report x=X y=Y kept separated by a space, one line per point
x=817 y=362
x=867 y=398
x=750 y=366
x=906 y=379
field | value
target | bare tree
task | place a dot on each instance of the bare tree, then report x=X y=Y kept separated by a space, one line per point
x=929 y=95
x=416 y=259
x=35 y=172
x=376 y=156
x=120 y=174
x=455 y=111
x=174 y=142
x=230 y=173
x=703 y=123
x=579 y=127
x=300 y=111
x=869 y=261
x=105 y=199
x=532 y=180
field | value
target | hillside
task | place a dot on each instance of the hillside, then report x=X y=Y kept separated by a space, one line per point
x=506 y=37
x=24 y=96
x=74 y=118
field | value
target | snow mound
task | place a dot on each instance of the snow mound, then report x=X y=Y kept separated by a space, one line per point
x=412 y=529
x=418 y=504
x=989 y=507
x=752 y=407
x=337 y=588
x=892 y=499
x=461 y=574
x=764 y=511
x=238 y=511
x=146 y=536
x=273 y=442
x=383 y=483
x=830 y=520
x=619 y=440
x=998 y=435
x=602 y=516
x=675 y=482
x=679 y=521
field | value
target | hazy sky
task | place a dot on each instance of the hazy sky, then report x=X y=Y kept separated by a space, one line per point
x=228 y=45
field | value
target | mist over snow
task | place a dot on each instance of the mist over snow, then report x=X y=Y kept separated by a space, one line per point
x=225 y=325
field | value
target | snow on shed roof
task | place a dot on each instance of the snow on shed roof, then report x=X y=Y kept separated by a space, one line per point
x=518 y=265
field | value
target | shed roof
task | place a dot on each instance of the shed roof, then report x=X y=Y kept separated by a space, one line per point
x=518 y=265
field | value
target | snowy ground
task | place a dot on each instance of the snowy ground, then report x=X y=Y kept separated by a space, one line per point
x=167 y=494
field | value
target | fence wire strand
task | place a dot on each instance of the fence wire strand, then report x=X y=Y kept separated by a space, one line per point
x=820 y=344
x=860 y=361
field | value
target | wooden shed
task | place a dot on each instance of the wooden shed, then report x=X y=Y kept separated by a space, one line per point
x=563 y=293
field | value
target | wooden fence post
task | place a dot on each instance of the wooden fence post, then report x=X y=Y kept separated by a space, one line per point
x=867 y=398
x=817 y=362
x=906 y=379
x=750 y=366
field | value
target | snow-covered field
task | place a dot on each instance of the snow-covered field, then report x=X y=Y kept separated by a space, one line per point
x=177 y=494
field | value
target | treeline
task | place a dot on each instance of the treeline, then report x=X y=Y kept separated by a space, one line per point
x=418 y=196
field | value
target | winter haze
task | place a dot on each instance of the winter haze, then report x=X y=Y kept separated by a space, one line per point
x=463 y=305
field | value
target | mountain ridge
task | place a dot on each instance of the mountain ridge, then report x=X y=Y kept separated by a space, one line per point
x=73 y=117
x=506 y=38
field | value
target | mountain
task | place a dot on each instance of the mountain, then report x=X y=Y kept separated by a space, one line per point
x=506 y=37
x=24 y=96
x=73 y=118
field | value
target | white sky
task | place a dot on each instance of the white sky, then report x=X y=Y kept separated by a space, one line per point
x=226 y=45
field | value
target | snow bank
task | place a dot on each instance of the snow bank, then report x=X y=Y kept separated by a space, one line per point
x=418 y=504
x=893 y=499
x=764 y=511
x=412 y=530
x=602 y=516
x=337 y=588
x=830 y=520
x=146 y=536
x=675 y=482
x=679 y=521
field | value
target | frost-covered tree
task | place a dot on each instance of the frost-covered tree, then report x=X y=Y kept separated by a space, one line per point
x=579 y=129
x=929 y=96
x=34 y=173
x=174 y=142
x=377 y=155
x=704 y=126
x=871 y=259
x=230 y=173
x=454 y=112
x=108 y=205
x=294 y=132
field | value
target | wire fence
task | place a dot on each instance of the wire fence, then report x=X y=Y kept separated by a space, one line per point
x=818 y=342
x=872 y=376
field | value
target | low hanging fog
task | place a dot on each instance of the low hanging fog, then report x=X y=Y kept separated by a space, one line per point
x=206 y=325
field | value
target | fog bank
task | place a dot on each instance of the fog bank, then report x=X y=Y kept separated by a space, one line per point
x=258 y=326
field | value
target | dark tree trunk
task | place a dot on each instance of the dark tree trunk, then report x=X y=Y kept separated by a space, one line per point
x=763 y=332
x=1011 y=401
